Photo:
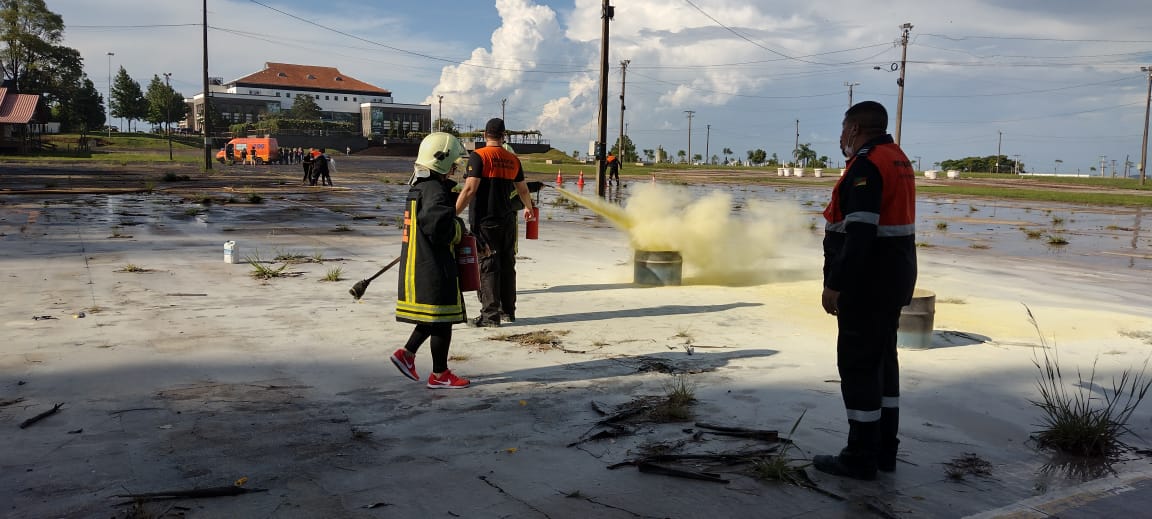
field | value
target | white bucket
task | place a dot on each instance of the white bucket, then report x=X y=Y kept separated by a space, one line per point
x=779 y=172
x=930 y=174
x=797 y=172
x=818 y=172
x=953 y=173
x=231 y=252
x=842 y=171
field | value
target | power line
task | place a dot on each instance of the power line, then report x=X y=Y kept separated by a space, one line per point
x=750 y=40
x=1029 y=38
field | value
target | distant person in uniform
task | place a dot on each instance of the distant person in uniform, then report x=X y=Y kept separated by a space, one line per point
x=613 y=164
x=306 y=160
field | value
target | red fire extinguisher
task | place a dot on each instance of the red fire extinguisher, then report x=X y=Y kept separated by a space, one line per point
x=532 y=225
x=467 y=264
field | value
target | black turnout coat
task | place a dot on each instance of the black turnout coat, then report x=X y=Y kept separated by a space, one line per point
x=429 y=285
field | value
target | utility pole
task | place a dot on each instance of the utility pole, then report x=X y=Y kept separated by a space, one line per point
x=850 y=85
x=900 y=82
x=168 y=110
x=1016 y=165
x=1101 y=166
x=606 y=14
x=207 y=125
x=999 y=141
x=796 y=147
x=1113 y=168
x=1144 y=143
x=707 y=144
x=623 y=83
x=918 y=163
x=108 y=123
x=440 y=114
x=690 y=113
x=503 y=103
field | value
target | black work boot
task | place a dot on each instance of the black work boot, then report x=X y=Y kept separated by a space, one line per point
x=858 y=459
x=846 y=465
x=889 y=444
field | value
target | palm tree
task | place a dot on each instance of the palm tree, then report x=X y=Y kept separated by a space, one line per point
x=1057 y=168
x=727 y=152
x=681 y=154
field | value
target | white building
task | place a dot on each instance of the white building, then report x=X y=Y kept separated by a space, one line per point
x=340 y=98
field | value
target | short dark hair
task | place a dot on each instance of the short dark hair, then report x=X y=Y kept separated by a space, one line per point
x=868 y=115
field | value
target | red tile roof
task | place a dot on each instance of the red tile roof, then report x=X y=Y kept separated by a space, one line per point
x=307 y=77
x=17 y=108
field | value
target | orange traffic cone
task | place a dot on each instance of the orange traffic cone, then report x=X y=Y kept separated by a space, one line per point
x=580 y=181
x=559 y=177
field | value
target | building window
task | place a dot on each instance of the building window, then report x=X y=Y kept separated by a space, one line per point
x=345 y=98
x=354 y=100
x=326 y=98
x=288 y=94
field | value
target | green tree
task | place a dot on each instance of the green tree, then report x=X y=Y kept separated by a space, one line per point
x=85 y=111
x=629 y=153
x=165 y=105
x=757 y=156
x=575 y=154
x=681 y=154
x=29 y=32
x=726 y=152
x=774 y=161
x=128 y=100
x=696 y=157
x=304 y=107
x=446 y=125
x=649 y=154
x=805 y=155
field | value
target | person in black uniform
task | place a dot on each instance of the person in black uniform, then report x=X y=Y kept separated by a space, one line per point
x=493 y=173
x=428 y=294
x=869 y=275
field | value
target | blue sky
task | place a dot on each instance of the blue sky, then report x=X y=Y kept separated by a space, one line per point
x=1048 y=80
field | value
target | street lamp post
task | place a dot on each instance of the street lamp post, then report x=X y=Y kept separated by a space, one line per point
x=168 y=110
x=440 y=115
x=1144 y=143
x=108 y=122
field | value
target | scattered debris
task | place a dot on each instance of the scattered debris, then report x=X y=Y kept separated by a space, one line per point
x=41 y=317
x=8 y=402
x=541 y=339
x=179 y=294
x=196 y=493
x=380 y=504
x=41 y=416
x=741 y=432
x=970 y=464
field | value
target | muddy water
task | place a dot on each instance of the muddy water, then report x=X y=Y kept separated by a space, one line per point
x=1096 y=237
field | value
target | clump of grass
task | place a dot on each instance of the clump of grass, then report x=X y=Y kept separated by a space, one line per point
x=969 y=464
x=172 y=177
x=924 y=245
x=261 y=271
x=1138 y=335
x=1057 y=240
x=193 y=211
x=318 y=257
x=342 y=228
x=1078 y=422
x=941 y=226
x=254 y=198
x=779 y=467
x=952 y=301
x=333 y=274
x=679 y=395
x=1033 y=234
x=980 y=246
x=1056 y=220
x=542 y=339
x=973 y=209
x=289 y=256
x=133 y=268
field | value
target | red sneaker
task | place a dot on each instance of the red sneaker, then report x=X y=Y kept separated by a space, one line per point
x=405 y=363
x=447 y=380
